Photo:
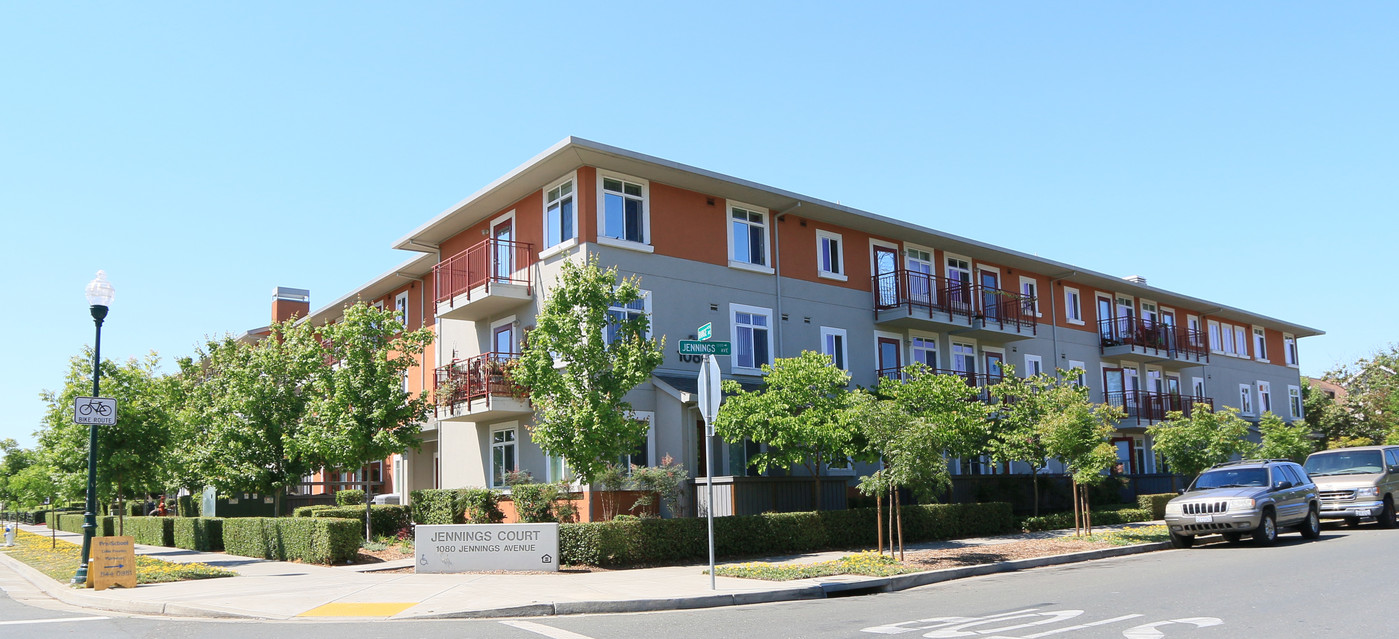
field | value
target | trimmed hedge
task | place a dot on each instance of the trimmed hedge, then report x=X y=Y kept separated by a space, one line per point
x=152 y=531
x=106 y=526
x=317 y=540
x=198 y=533
x=456 y=506
x=1104 y=517
x=349 y=497
x=650 y=541
x=305 y=511
x=1155 y=503
x=388 y=519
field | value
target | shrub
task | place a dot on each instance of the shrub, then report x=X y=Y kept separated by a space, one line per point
x=349 y=497
x=305 y=511
x=456 y=506
x=648 y=541
x=387 y=519
x=662 y=482
x=152 y=531
x=479 y=506
x=198 y=533
x=1156 y=503
x=539 y=503
x=73 y=523
x=1098 y=517
x=319 y=540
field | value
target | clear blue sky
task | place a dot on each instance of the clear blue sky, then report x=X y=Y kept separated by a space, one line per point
x=204 y=153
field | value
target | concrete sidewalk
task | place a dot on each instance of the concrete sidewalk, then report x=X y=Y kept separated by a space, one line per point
x=282 y=590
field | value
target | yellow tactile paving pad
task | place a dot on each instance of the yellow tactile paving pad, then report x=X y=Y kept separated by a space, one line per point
x=359 y=609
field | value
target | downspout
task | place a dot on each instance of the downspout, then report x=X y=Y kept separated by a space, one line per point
x=777 y=271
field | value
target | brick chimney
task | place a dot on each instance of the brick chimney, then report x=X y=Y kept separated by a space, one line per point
x=290 y=302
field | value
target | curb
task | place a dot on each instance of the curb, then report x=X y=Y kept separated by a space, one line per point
x=823 y=590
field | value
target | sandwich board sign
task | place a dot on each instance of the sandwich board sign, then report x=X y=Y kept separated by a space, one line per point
x=113 y=562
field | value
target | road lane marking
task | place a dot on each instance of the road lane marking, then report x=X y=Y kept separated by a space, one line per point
x=1149 y=631
x=59 y=620
x=547 y=631
x=1082 y=626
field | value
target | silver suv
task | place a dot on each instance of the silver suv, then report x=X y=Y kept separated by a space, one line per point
x=1357 y=483
x=1253 y=496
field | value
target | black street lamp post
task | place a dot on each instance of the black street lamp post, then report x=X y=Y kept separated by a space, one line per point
x=99 y=297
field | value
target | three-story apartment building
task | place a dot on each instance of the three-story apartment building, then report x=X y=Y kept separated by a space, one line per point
x=777 y=273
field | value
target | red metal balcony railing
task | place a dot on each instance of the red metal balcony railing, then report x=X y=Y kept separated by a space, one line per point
x=490 y=262
x=975 y=380
x=1146 y=406
x=1159 y=337
x=484 y=376
x=996 y=307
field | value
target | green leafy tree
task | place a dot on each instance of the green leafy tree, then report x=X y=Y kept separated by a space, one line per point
x=1023 y=413
x=1372 y=398
x=1076 y=431
x=1281 y=440
x=797 y=413
x=32 y=485
x=911 y=455
x=130 y=452
x=1205 y=438
x=945 y=406
x=1333 y=420
x=579 y=363
x=13 y=460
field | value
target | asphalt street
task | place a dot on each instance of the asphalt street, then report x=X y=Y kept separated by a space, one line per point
x=1336 y=586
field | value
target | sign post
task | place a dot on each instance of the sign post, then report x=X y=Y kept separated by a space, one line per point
x=708 y=400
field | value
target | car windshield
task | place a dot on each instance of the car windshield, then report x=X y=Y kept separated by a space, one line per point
x=1355 y=462
x=1232 y=478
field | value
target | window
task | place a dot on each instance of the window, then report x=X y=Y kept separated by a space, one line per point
x=752 y=336
x=1241 y=341
x=748 y=235
x=740 y=457
x=1197 y=386
x=1073 y=309
x=1289 y=347
x=963 y=357
x=830 y=260
x=1033 y=366
x=1082 y=372
x=1029 y=288
x=1294 y=401
x=1265 y=398
x=925 y=351
x=641 y=456
x=560 y=216
x=400 y=304
x=623 y=210
x=1217 y=343
x=502 y=455
x=559 y=470
x=1192 y=326
x=618 y=313
x=833 y=344
x=1260 y=344
x=1246 y=399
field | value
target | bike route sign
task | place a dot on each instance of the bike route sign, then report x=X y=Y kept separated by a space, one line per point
x=95 y=410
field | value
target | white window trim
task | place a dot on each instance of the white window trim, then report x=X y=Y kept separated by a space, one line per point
x=927 y=337
x=1035 y=359
x=1294 y=391
x=406 y=308
x=544 y=212
x=645 y=245
x=734 y=310
x=1246 y=389
x=844 y=344
x=1288 y=354
x=840 y=250
x=1257 y=348
x=1197 y=386
x=1073 y=363
x=1263 y=388
x=971 y=266
x=903 y=348
x=645 y=308
x=1214 y=336
x=952 y=353
x=650 y=418
x=766 y=267
x=1026 y=279
x=513 y=427
x=1076 y=306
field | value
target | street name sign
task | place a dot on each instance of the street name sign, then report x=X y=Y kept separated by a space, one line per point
x=476 y=547
x=113 y=562
x=705 y=332
x=693 y=347
x=95 y=410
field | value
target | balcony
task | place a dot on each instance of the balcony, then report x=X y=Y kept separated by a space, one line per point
x=484 y=280
x=1146 y=407
x=909 y=299
x=1138 y=340
x=979 y=381
x=480 y=389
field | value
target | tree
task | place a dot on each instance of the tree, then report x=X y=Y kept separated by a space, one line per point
x=129 y=453
x=1282 y=440
x=13 y=460
x=1333 y=420
x=1076 y=431
x=797 y=413
x=580 y=361
x=1023 y=407
x=1205 y=438
x=1372 y=398
x=249 y=401
x=911 y=452
x=946 y=406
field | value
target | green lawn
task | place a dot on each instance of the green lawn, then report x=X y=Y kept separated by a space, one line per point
x=62 y=561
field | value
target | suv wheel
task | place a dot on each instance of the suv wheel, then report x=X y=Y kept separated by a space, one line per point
x=1267 y=531
x=1182 y=541
x=1386 y=516
x=1311 y=526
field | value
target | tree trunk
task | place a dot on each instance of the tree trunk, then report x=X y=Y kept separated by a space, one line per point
x=1087 y=514
x=879 y=523
x=1073 y=491
x=816 y=496
x=899 y=514
x=368 y=521
x=1035 y=484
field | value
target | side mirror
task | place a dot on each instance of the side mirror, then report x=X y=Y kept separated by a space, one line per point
x=1282 y=485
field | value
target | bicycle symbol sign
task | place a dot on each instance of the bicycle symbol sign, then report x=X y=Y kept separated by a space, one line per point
x=95 y=410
